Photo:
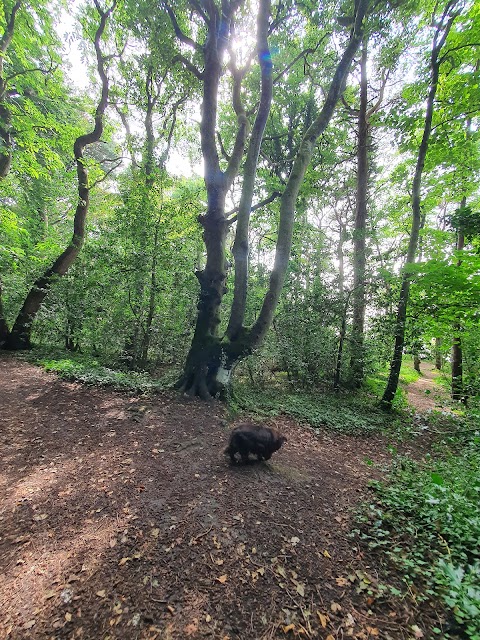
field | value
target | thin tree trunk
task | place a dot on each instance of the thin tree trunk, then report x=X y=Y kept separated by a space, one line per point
x=457 y=354
x=357 y=360
x=441 y=34
x=20 y=336
x=416 y=362
x=5 y=136
x=341 y=341
x=302 y=160
x=438 y=354
x=5 y=117
x=152 y=298
x=4 y=332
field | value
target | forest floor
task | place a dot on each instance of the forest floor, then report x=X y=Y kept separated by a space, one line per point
x=121 y=518
x=425 y=395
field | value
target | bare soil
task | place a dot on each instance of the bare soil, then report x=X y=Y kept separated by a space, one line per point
x=121 y=518
x=425 y=394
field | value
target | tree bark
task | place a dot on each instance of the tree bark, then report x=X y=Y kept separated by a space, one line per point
x=211 y=360
x=416 y=362
x=357 y=359
x=203 y=372
x=20 y=335
x=441 y=33
x=5 y=122
x=438 y=354
x=457 y=353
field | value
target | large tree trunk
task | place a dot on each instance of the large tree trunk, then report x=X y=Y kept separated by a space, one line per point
x=357 y=359
x=441 y=33
x=20 y=335
x=208 y=365
x=211 y=360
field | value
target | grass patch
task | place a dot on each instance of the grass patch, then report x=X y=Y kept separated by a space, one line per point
x=426 y=520
x=376 y=382
x=89 y=370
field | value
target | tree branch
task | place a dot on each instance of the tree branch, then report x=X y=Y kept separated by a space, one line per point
x=188 y=65
x=259 y=205
x=178 y=32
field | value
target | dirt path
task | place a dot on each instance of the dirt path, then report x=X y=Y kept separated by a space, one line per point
x=120 y=518
x=427 y=395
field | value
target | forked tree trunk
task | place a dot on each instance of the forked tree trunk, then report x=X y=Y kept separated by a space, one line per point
x=20 y=335
x=212 y=359
x=441 y=33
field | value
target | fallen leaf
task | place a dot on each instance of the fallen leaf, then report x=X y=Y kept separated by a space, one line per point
x=373 y=631
x=73 y=578
x=49 y=594
x=208 y=618
x=219 y=561
x=335 y=607
x=123 y=561
x=191 y=628
x=294 y=540
x=222 y=579
x=417 y=631
x=288 y=627
x=281 y=571
x=349 y=620
x=300 y=589
x=154 y=533
x=29 y=625
x=41 y=516
x=326 y=554
x=323 y=619
x=342 y=582
x=101 y=594
x=68 y=617
x=330 y=637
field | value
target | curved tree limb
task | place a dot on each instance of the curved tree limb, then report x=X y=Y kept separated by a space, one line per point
x=19 y=337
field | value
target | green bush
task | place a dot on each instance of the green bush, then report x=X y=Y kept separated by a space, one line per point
x=90 y=371
x=426 y=519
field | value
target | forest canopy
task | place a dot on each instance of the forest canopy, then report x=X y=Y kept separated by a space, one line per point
x=287 y=187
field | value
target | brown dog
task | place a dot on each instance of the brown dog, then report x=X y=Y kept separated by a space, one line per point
x=255 y=439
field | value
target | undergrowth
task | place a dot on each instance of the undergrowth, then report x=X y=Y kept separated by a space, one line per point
x=357 y=415
x=426 y=520
x=376 y=382
x=89 y=370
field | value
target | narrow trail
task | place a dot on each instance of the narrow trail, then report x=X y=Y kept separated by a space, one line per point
x=425 y=394
x=121 y=519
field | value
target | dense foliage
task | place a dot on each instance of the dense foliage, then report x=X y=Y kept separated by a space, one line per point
x=131 y=294
x=427 y=522
x=283 y=190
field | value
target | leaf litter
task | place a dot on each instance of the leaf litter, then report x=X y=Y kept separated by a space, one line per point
x=119 y=543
